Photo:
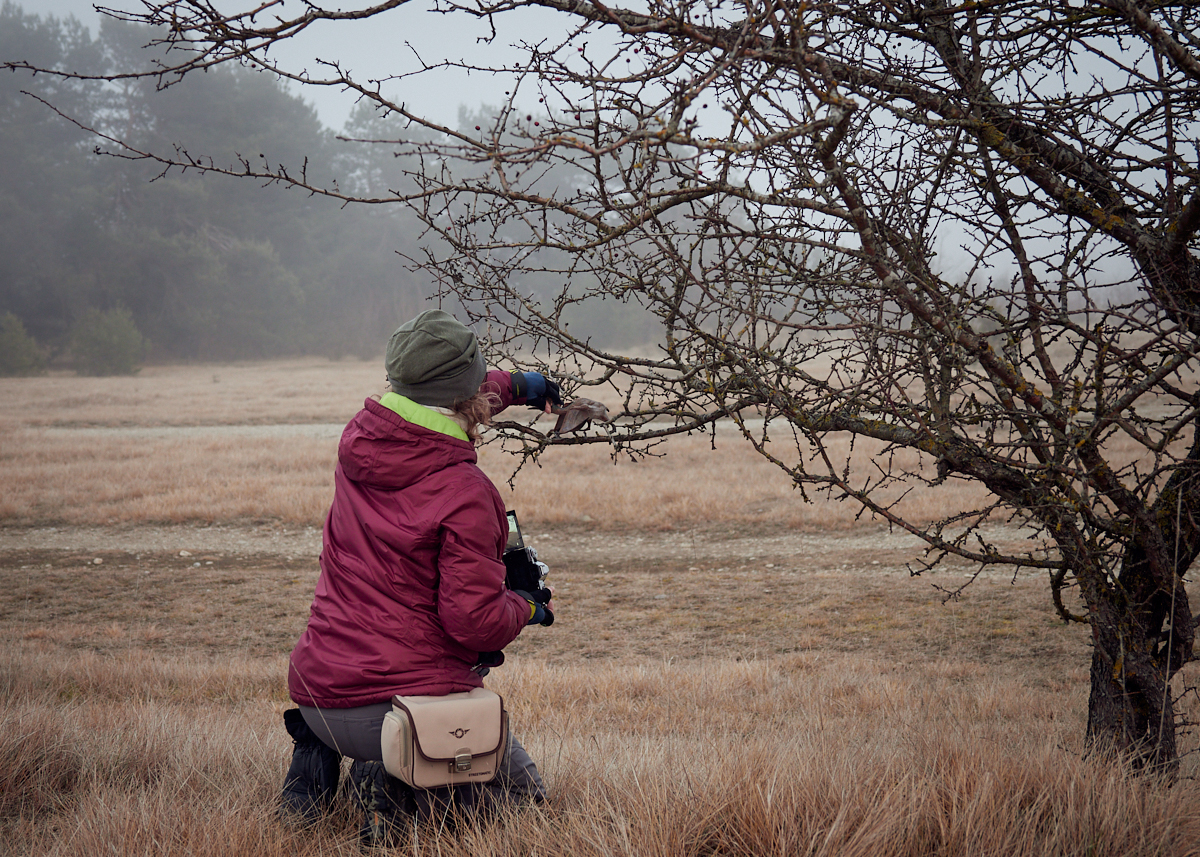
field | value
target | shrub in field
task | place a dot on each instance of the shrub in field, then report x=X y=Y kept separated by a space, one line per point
x=107 y=343
x=19 y=352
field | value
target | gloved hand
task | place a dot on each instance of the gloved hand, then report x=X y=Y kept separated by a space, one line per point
x=487 y=662
x=537 y=390
x=539 y=606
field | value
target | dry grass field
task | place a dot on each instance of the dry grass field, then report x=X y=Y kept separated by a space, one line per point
x=258 y=442
x=732 y=672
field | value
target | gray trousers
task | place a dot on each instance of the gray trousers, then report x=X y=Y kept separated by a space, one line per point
x=355 y=732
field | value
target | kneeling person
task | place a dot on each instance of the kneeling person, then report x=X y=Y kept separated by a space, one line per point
x=411 y=598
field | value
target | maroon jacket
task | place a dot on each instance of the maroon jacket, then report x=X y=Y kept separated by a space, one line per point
x=412 y=583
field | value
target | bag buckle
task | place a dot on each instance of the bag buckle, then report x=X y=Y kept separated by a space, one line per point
x=462 y=761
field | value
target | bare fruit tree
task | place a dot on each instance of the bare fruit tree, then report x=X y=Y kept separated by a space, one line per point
x=962 y=231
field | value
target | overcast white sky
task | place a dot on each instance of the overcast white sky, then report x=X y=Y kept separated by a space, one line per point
x=376 y=48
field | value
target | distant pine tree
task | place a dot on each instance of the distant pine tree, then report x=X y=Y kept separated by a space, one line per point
x=19 y=352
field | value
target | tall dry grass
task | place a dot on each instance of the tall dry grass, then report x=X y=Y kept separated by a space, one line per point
x=800 y=755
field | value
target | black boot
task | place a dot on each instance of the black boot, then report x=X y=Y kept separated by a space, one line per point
x=386 y=802
x=312 y=778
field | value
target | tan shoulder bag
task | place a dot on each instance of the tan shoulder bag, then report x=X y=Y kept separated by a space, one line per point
x=431 y=741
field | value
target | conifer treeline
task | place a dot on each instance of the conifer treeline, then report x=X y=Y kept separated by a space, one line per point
x=207 y=267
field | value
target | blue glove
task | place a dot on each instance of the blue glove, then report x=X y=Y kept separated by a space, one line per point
x=538 y=613
x=536 y=389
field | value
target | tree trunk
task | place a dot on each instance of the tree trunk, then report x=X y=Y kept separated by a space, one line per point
x=1143 y=629
x=1130 y=709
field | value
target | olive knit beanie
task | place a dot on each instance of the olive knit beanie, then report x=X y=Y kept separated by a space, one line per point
x=435 y=360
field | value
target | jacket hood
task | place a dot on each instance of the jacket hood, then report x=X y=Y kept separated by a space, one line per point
x=382 y=449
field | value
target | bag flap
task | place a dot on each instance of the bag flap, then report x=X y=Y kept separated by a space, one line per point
x=445 y=726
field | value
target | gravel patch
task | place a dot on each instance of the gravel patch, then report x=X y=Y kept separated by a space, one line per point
x=878 y=551
x=242 y=540
x=315 y=430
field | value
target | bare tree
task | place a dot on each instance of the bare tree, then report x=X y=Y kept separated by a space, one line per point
x=967 y=230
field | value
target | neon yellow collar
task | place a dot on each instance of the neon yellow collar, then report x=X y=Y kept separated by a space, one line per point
x=422 y=416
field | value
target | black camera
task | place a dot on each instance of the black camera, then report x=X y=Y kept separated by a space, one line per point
x=524 y=572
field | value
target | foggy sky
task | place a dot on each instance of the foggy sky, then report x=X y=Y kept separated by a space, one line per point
x=376 y=48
